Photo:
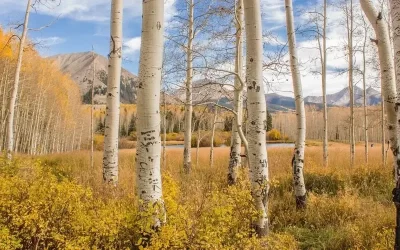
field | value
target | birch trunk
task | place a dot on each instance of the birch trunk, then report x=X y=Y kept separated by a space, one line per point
x=364 y=65
x=91 y=115
x=14 y=92
x=349 y=23
x=383 y=140
x=257 y=114
x=325 y=110
x=236 y=142
x=387 y=73
x=212 y=136
x=164 y=152
x=187 y=157
x=298 y=157
x=148 y=156
x=395 y=18
x=111 y=130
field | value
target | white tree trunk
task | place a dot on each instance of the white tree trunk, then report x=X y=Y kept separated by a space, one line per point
x=364 y=74
x=164 y=149
x=325 y=110
x=387 y=72
x=236 y=142
x=349 y=23
x=395 y=18
x=298 y=158
x=148 y=156
x=212 y=136
x=91 y=115
x=187 y=157
x=14 y=92
x=111 y=130
x=257 y=109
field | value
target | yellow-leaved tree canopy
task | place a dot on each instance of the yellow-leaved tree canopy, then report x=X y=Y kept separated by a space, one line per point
x=49 y=115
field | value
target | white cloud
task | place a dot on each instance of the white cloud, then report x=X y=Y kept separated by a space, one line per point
x=49 y=41
x=83 y=10
x=273 y=11
x=132 y=45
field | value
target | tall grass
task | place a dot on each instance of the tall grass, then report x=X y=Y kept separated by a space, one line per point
x=348 y=208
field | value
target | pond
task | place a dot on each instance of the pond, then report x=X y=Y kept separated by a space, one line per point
x=269 y=145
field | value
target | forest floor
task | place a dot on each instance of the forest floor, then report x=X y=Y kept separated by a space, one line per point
x=58 y=201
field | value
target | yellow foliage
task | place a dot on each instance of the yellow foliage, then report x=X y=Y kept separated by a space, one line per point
x=61 y=203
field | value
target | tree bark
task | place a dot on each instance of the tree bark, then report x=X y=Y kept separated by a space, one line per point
x=387 y=74
x=91 y=114
x=187 y=157
x=148 y=156
x=257 y=109
x=14 y=94
x=325 y=110
x=212 y=136
x=298 y=157
x=111 y=130
x=236 y=142
x=349 y=22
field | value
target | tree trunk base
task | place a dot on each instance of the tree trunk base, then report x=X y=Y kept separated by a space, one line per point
x=260 y=232
x=187 y=167
x=301 y=202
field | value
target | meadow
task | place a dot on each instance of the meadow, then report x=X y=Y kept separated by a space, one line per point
x=59 y=202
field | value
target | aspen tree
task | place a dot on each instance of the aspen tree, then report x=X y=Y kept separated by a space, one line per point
x=187 y=157
x=298 y=158
x=395 y=18
x=111 y=130
x=350 y=31
x=257 y=114
x=148 y=155
x=325 y=109
x=387 y=72
x=91 y=112
x=236 y=142
x=14 y=94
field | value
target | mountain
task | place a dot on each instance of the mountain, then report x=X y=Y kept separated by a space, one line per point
x=79 y=67
x=342 y=98
x=206 y=91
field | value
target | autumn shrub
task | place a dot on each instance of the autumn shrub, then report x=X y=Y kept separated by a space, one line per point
x=219 y=140
x=274 y=135
x=98 y=142
x=174 y=137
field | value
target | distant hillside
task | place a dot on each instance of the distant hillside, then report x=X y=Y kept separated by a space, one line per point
x=342 y=98
x=79 y=67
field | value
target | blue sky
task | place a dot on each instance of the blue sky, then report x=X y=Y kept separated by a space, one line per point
x=82 y=23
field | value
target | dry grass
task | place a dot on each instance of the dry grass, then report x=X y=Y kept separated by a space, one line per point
x=348 y=208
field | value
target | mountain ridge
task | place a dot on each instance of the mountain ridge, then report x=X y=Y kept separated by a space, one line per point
x=79 y=66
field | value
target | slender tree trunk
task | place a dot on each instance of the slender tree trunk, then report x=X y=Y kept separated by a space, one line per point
x=91 y=113
x=298 y=157
x=164 y=152
x=198 y=144
x=395 y=18
x=111 y=130
x=236 y=142
x=212 y=136
x=325 y=110
x=365 y=97
x=148 y=156
x=349 y=23
x=387 y=73
x=187 y=161
x=257 y=109
x=383 y=139
x=13 y=99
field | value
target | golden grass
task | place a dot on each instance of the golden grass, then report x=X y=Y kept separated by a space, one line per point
x=348 y=208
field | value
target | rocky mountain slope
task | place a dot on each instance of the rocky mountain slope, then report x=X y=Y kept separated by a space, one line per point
x=80 y=67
